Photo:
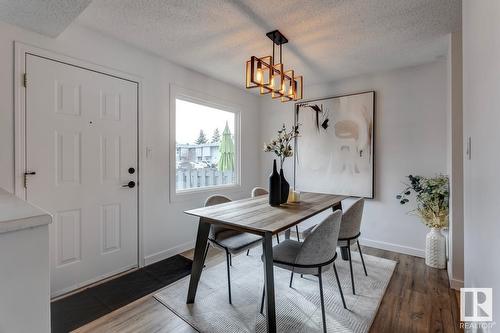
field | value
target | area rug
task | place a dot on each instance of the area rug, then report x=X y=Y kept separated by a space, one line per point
x=297 y=309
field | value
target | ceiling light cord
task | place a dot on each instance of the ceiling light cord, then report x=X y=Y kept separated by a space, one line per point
x=273 y=55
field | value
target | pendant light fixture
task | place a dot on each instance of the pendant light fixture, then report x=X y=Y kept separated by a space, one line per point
x=271 y=77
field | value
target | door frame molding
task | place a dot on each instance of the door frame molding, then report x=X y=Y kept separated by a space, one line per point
x=21 y=50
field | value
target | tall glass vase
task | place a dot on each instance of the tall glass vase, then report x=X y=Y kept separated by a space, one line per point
x=285 y=187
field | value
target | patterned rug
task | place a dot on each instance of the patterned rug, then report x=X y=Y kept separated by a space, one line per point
x=298 y=308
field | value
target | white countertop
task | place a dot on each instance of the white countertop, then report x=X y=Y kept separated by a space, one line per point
x=17 y=214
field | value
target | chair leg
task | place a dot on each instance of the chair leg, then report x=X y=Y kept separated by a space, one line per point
x=228 y=258
x=297 y=231
x=350 y=267
x=340 y=287
x=248 y=251
x=278 y=238
x=262 y=301
x=291 y=279
x=322 y=299
x=361 y=255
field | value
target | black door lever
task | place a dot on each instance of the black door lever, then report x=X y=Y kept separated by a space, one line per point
x=130 y=184
x=26 y=174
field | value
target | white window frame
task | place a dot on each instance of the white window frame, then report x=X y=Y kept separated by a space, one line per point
x=177 y=92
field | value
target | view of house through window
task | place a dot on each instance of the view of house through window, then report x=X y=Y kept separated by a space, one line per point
x=204 y=146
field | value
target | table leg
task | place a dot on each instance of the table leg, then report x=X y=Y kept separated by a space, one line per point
x=267 y=246
x=199 y=251
x=336 y=206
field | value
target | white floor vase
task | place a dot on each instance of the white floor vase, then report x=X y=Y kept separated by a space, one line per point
x=435 y=249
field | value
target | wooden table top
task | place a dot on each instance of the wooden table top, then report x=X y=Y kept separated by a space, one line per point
x=255 y=215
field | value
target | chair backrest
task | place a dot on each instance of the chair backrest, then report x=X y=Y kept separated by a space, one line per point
x=259 y=191
x=211 y=201
x=351 y=220
x=320 y=246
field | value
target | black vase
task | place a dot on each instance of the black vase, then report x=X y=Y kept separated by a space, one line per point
x=285 y=187
x=274 y=187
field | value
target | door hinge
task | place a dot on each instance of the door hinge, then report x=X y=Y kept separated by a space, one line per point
x=25 y=80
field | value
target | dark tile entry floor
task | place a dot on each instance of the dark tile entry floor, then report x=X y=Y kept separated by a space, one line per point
x=76 y=310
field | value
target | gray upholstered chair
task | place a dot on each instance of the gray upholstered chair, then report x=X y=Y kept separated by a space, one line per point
x=259 y=191
x=312 y=256
x=262 y=191
x=349 y=234
x=350 y=230
x=231 y=241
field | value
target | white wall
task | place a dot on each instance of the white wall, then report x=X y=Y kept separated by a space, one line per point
x=481 y=76
x=166 y=229
x=25 y=285
x=410 y=138
x=455 y=160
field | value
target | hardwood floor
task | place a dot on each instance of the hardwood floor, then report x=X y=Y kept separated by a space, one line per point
x=418 y=299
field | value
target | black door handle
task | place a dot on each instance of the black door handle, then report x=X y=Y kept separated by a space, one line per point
x=26 y=174
x=130 y=184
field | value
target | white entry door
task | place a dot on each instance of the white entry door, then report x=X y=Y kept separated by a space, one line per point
x=81 y=141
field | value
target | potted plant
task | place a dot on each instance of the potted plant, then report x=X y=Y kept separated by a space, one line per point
x=282 y=148
x=432 y=197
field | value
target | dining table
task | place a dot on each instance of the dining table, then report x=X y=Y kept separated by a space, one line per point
x=255 y=215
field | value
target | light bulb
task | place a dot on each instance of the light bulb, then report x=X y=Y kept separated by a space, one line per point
x=259 y=76
x=275 y=81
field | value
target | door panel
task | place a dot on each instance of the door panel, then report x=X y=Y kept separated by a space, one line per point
x=111 y=224
x=81 y=138
x=68 y=237
x=67 y=151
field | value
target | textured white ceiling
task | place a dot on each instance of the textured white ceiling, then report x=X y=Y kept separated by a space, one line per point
x=329 y=40
x=48 y=17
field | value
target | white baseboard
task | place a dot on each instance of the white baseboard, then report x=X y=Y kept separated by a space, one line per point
x=158 y=256
x=393 y=247
x=456 y=284
x=61 y=292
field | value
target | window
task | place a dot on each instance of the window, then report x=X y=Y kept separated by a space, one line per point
x=206 y=145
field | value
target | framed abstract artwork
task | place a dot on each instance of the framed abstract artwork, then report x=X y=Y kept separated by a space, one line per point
x=335 y=150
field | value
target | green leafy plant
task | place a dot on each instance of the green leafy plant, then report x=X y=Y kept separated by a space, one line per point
x=432 y=199
x=281 y=145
